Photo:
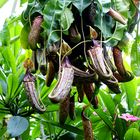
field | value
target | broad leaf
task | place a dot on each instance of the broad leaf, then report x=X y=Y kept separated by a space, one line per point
x=66 y=19
x=17 y=125
x=122 y=6
x=134 y=125
x=51 y=19
x=32 y=9
x=104 y=22
x=81 y=4
x=132 y=134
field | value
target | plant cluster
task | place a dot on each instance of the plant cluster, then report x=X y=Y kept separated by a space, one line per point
x=74 y=57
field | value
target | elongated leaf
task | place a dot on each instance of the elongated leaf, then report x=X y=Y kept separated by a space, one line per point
x=132 y=134
x=2 y=75
x=9 y=58
x=130 y=89
x=120 y=127
x=12 y=84
x=135 y=57
x=2 y=131
x=0 y=88
x=67 y=127
x=24 y=37
x=70 y=136
x=104 y=117
x=35 y=132
x=102 y=132
x=17 y=125
x=5 y=35
x=108 y=101
x=3 y=87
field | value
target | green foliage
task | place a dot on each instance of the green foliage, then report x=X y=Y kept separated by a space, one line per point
x=132 y=134
x=2 y=2
x=15 y=108
x=81 y=4
x=51 y=18
x=66 y=19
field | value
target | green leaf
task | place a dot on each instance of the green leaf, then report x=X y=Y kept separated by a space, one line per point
x=111 y=31
x=22 y=1
x=15 y=30
x=24 y=37
x=0 y=88
x=17 y=125
x=81 y=4
x=52 y=108
x=104 y=22
x=2 y=2
x=132 y=134
x=51 y=19
x=32 y=9
x=13 y=83
x=119 y=31
x=2 y=131
x=5 y=35
x=3 y=87
x=66 y=19
x=134 y=125
x=131 y=89
x=35 y=132
x=102 y=132
x=2 y=75
x=26 y=134
x=120 y=127
x=122 y=6
x=69 y=136
x=9 y=58
x=108 y=101
x=104 y=117
x=67 y=127
x=135 y=57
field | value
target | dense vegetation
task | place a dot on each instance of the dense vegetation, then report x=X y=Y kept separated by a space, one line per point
x=69 y=69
